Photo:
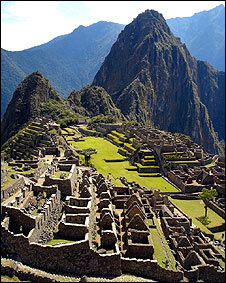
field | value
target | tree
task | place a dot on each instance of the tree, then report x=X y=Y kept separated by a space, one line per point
x=87 y=153
x=207 y=195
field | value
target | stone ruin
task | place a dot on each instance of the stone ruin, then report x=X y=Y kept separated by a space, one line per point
x=108 y=229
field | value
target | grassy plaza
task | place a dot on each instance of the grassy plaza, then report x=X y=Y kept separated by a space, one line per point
x=106 y=150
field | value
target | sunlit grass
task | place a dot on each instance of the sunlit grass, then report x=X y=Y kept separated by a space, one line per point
x=59 y=241
x=106 y=150
x=194 y=209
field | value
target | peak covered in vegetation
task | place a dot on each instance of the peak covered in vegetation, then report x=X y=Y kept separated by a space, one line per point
x=69 y=61
x=92 y=101
x=33 y=97
x=152 y=77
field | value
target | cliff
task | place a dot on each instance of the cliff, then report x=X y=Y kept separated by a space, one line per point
x=152 y=77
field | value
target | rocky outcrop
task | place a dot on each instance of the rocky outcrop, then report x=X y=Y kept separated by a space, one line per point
x=152 y=78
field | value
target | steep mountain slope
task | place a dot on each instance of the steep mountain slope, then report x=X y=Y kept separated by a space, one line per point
x=152 y=77
x=35 y=97
x=203 y=34
x=30 y=94
x=93 y=101
x=211 y=85
x=69 y=61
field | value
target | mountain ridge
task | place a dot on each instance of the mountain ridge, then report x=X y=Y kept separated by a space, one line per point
x=158 y=59
x=69 y=61
x=204 y=35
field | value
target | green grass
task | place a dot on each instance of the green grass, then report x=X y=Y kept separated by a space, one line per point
x=106 y=150
x=210 y=164
x=147 y=166
x=129 y=146
x=57 y=241
x=159 y=250
x=222 y=263
x=58 y=173
x=6 y=278
x=69 y=130
x=195 y=209
x=116 y=139
x=118 y=134
x=10 y=180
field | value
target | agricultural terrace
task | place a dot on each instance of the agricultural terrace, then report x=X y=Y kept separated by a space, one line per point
x=106 y=150
x=10 y=170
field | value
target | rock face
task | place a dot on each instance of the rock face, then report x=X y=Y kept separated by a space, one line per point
x=93 y=101
x=30 y=93
x=152 y=77
x=212 y=93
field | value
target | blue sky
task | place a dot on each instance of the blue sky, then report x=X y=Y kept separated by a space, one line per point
x=25 y=24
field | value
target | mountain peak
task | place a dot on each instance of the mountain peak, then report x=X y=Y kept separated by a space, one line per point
x=29 y=94
x=152 y=78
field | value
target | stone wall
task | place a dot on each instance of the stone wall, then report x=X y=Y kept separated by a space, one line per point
x=74 y=161
x=24 y=276
x=209 y=273
x=64 y=167
x=150 y=269
x=215 y=208
x=185 y=215
x=18 y=217
x=11 y=189
x=51 y=151
x=88 y=132
x=77 y=258
x=48 y=189
x=39 y=171
x=3 y=176
x=72 y=231
x=110 y=127
x=176 y=180
x=43 y=217
x=66 y=186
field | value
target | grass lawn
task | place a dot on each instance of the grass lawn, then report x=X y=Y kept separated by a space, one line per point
x=6 y=278
x=195 y=208
x=58 y=241
x=159 y=250
x=10 y=180
x=210 y=164
x=106 y=150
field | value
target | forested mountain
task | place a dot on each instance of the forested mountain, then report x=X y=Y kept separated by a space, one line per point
x=148 y=76
x=152 y=78
x=204 y=35
x=69 y=61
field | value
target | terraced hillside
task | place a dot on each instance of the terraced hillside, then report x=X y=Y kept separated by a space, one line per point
x=143 y=160
x=27 y=142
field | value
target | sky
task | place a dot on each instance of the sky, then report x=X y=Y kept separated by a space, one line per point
x=25 y=24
